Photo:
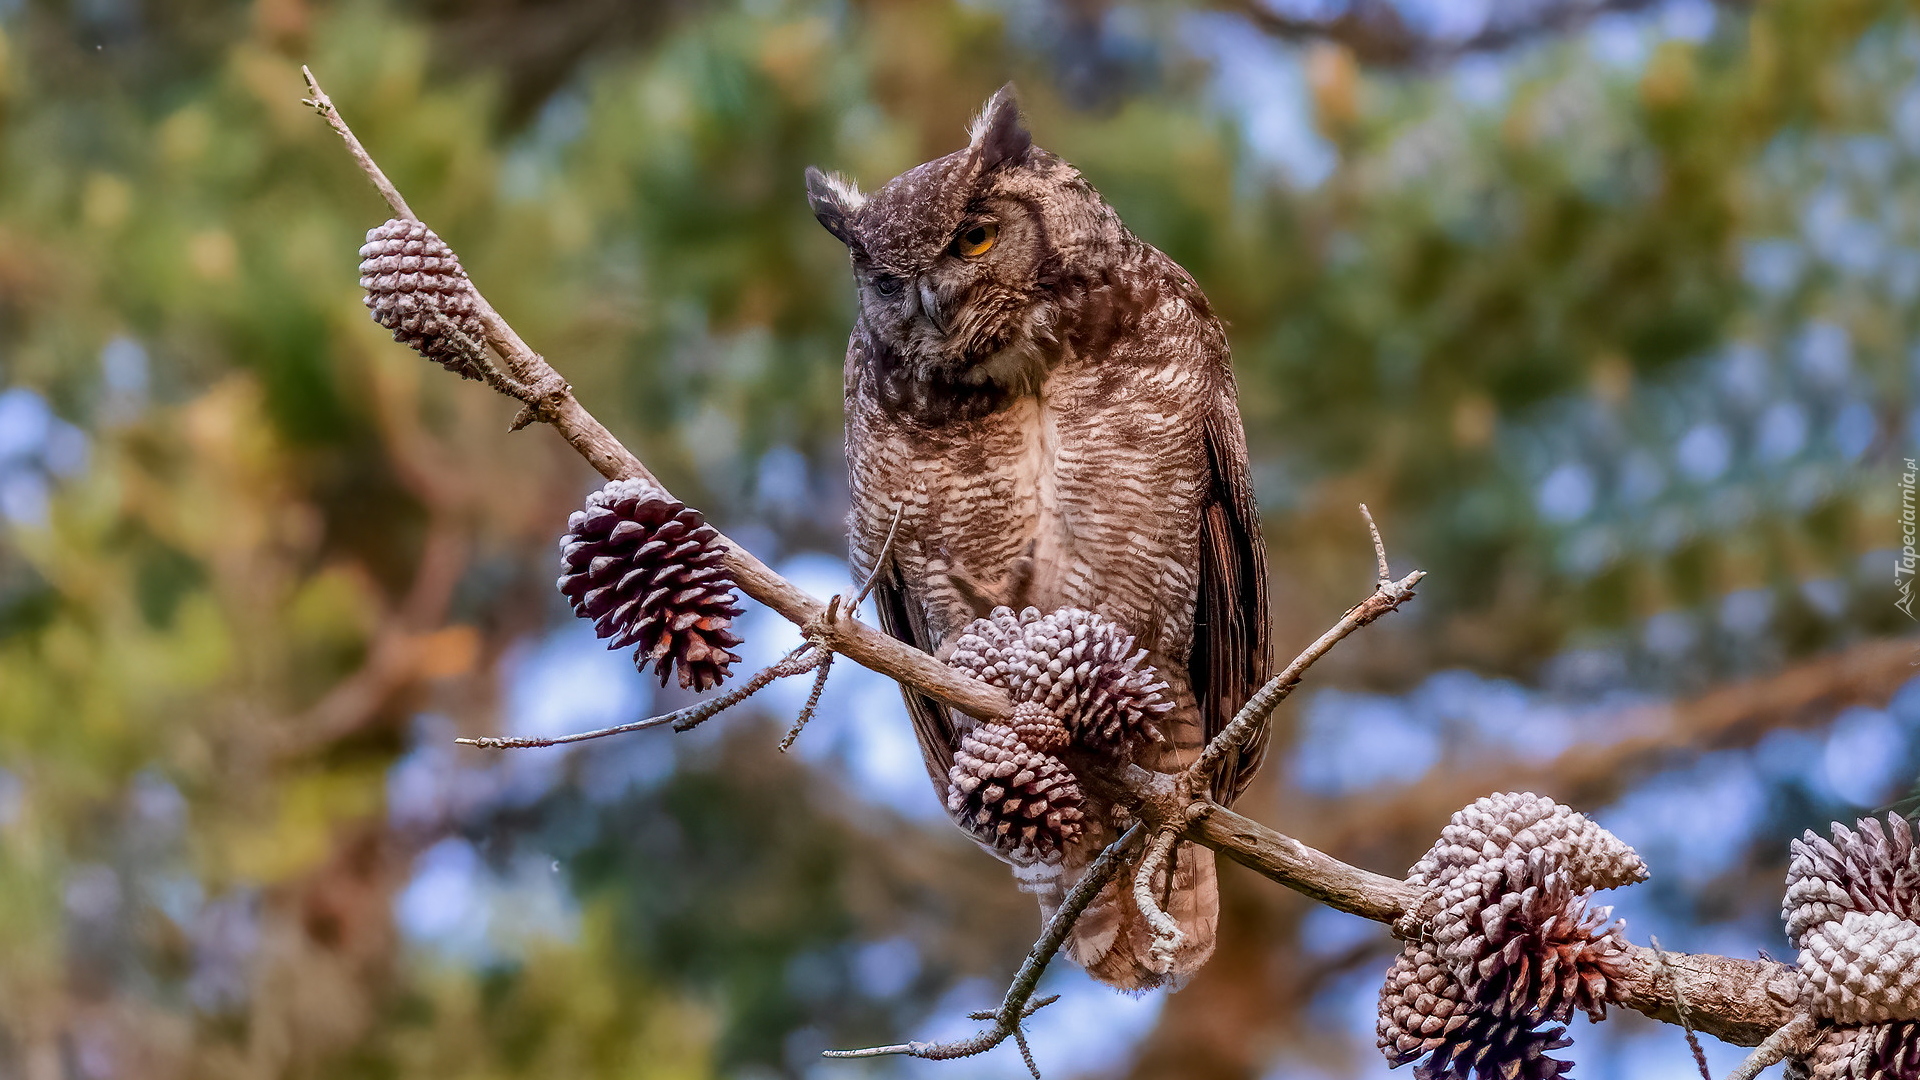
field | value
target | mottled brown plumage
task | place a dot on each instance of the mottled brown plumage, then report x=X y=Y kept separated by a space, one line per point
x=1054 y=415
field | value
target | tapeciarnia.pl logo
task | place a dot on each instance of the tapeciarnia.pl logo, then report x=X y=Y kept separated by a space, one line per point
x=1904 y=565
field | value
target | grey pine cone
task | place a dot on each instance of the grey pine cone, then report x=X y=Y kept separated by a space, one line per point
x=417 y=289
x=1863 y=969
x=1080 y=666
x=646 y=568
x=1023 y=802
x=1872 y=867
x=1421 y=1004
x=1512 y=823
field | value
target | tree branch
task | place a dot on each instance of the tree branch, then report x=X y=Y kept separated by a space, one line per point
x=1740 y=1001
x=1376 y=33
x=1014 y=1008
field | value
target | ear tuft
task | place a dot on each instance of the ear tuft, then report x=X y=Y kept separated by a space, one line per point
x=835 y=200
x=997 y=135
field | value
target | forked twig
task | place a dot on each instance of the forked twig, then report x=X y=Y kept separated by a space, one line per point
x=1387 y=596
x=1014 y=1008
x=323 y=105
x=826 y=654
x=682 y=719
x=1680 y=1008
x=813 y=701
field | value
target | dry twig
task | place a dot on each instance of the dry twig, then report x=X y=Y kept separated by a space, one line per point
x=1680 y=1007
x=1014 y=1007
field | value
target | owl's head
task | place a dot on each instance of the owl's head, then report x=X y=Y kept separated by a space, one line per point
x=958 y=261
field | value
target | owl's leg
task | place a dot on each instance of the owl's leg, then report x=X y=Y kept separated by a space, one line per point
x=1114 y=941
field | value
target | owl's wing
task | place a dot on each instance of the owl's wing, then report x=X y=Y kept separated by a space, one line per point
x=1231 y=654
x=932 y=725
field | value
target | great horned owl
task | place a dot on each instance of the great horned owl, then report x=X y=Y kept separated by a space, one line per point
x=1048 y=404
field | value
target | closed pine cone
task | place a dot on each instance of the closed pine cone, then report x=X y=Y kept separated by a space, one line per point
x=1864 y=968
x=417 y=289
x=1021 y=801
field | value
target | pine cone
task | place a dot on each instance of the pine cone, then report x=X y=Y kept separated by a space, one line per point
x=1421 y=1004
x=1889 y=1051
x=1503 y=941
x=1425 y=1010
x=1024 y=802
x=1537 y=950
x=1868 y=868
x=1864 y=968
x=647 y=569
x=1831 y=1058
x=1081 y=666
x=1497 y=1048
x=1036 y=726
x=1519 y=822
x=417 y=289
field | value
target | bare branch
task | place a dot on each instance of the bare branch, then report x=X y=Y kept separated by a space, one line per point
x=1789 y=1041
x=794 y=663
x=1387 y=596
x=1013 y=1008
x=1375 y=32
x=323 y=105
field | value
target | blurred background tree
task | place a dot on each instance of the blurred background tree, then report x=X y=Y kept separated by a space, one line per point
x=1606 y=308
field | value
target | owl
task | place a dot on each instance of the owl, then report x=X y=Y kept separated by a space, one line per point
x=1045 y=405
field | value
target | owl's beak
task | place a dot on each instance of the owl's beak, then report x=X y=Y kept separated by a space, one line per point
x=930 y=304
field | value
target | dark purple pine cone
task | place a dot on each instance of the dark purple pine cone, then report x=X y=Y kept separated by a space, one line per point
x=1489 y=1047
x=417 y=289
x=646 y=568
x=1081 y=666
x=1023 y=802
x=1036 y=726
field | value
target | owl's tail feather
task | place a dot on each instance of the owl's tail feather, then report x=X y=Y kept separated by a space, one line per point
x=1113 y=939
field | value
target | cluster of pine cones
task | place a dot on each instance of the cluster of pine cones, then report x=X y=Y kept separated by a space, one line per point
x=1503 y=943
x=1853 y=910
x=1076 y=679
x=648 y=570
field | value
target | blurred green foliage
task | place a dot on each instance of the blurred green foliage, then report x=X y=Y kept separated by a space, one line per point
x=1558 y=336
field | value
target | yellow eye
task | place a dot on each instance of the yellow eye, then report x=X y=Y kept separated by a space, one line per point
x=977 y=240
